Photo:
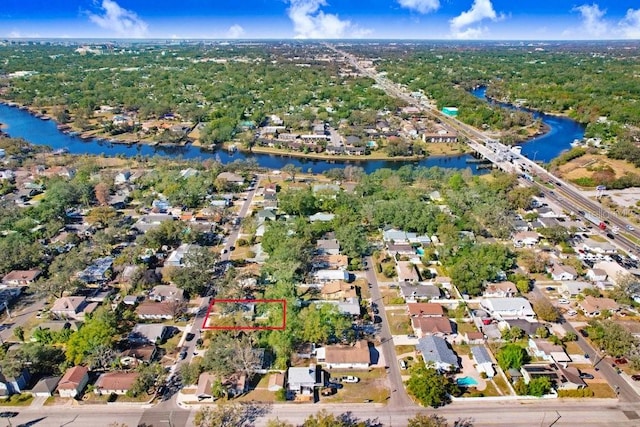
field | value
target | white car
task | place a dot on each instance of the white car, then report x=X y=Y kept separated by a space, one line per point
x=630 y=228
x=563 y=301
x=572 y=313
x=350 y=379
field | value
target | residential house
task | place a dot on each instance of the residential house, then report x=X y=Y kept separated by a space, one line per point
x=328 y=247
x=151 y=221
x=233 y=385
x=321 y=217
x=596 y=275
x=330 y=262
x=593 y=307
x=20 y=277
x=394 y=249
x=13 y=385
x=304 y=380
x=393 y=235
x=504 y=289
x=148 y=333
x=266 y=215
x=152 y=310
x=561 y=378
x=525 y=239
x=615 y=272
x=548 y=351
x=528 y=326
x=591 y=245
x=355 y=356
x=406 y=271
x=117 y=382
x=122 y=178
x=176 y=257
x=166 y=293
x=73 y=381
x=425 y=309
x=45 y=387
x=72 y=308
x=276 y=381
x=562 y=272
x=520 y=225
x=436 y=351
x=439 y=326
x=571 y=289
x=350 y=306
x=338 y=290
x=474 y=337
x=231 y=178
x=98 y=272
x=331 y=275
x=417 y=292
x=509 y=308
x=483 y=360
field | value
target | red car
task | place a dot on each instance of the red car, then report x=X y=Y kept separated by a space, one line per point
x=635 y=377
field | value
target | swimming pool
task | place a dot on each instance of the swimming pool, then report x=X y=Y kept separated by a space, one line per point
x=466 y=382
x=420 y=251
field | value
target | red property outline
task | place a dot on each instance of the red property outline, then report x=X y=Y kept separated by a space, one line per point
x=283 y=302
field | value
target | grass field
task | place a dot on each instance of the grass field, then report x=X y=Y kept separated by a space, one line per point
x=399 y=322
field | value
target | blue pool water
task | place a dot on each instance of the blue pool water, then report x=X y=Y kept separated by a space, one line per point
x=467 y=382
x=420 y=251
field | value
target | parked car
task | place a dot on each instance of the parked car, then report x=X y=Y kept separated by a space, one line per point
x=563 y=301
x=550 y=288
x=350 y=379
x=403 y=364
x=190 y=336
x=586 y=376
x=182 y=355
x=635 y=377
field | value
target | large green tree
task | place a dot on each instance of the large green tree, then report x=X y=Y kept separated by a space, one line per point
x=429 y=387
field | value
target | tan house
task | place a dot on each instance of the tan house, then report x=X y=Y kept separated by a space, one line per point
x=115 y=383
x=276 y=381
x=338 y=290
x=73 y=381
x=233 y=385
x=593 y=306
x=73 y=307
x=355 y=356
x=406 y=272
x=504 y=289
x=151 y=310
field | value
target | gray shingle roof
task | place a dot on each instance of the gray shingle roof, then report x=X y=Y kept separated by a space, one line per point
x=435 y=349
x=480 y=354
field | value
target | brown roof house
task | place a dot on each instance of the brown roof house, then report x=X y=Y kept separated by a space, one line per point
x=501 y=290
x=439 y=326
x=73 y=307
x=593 y=306
x=357 y=356
x=338 y=290
x=115 y=383
x=20 y=277
x=73 y=381
x=276 y=381
x=425 y=309
x=232 y=385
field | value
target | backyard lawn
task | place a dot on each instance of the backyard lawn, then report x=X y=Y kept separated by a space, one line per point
x=399 y=322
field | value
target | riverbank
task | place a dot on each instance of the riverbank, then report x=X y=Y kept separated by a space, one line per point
x=434 y=150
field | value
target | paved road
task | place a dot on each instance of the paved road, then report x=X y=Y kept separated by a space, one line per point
x=233 y=236
x=399 y=397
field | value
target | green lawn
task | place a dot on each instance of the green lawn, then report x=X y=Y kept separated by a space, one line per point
x=501 y=384
x=399 y=322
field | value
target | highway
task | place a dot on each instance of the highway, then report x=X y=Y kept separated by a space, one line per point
x=502 y=156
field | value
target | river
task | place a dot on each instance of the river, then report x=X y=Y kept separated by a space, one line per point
x=544 y=148
x=21 y=124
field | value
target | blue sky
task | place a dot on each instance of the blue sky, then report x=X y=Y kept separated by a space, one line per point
x=382 y=19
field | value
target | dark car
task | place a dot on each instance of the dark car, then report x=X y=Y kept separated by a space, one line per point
x=586 y=376
x=549 y=288
x=635 y=377
x=182 y=355
x=584 y=332
x=611 y=236
x=190 y=336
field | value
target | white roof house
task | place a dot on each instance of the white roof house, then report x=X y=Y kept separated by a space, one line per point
x=331 y=275
x=176 y=258
x=303 y=380
x=574 y=287
x=509 y=308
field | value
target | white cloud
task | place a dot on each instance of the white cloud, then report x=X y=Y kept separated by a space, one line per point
x=235 y=32
x=481 y=9
x=121 y=21
x=630 y=24
x=593 y=22
x=309 y=22
x=422 y=6
x=471 y=33
x=18 y=35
